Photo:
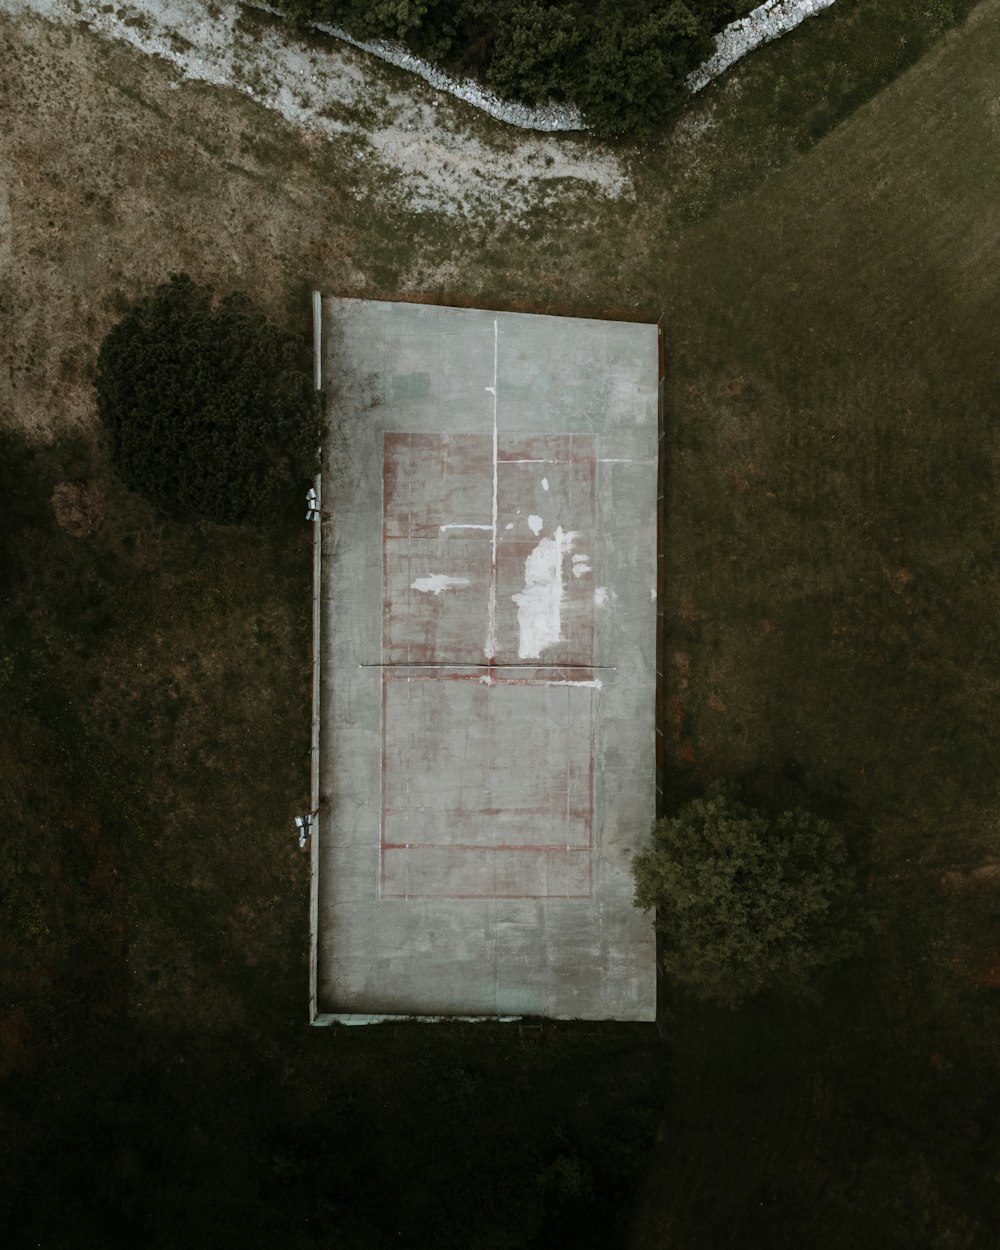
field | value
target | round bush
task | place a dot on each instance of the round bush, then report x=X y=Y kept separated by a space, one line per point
x=209 y=409
x=748 y=902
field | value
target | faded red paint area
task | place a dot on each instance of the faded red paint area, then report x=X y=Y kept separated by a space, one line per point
x=454 y=873
x=487 y=760
x=550 y=449
x=487 y=784
x=438 y=521
x=430 y=481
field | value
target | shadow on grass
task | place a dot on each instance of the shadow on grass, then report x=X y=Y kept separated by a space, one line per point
x=864 y=1119
x=157 y=1073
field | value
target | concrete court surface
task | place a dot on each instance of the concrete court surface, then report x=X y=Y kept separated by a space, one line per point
x=487 y=669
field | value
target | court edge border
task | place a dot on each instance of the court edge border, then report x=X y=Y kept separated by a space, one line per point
x=324 y=1019
x=317 y=554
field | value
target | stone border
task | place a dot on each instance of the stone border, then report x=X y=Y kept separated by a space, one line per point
x=549 y=118
x=767 y=22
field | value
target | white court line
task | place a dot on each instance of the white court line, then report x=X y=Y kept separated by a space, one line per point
x=465 y=527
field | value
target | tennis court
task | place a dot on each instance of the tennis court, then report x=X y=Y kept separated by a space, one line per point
x=488 y=628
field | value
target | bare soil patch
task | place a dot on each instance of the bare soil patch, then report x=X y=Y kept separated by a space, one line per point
x=79 y=507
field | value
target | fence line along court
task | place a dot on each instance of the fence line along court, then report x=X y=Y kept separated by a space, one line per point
x=487 y=659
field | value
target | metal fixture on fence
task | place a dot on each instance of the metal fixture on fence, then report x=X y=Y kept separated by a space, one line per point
x=313 y=511
x=304 y=825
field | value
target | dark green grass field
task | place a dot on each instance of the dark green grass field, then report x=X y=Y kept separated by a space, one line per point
x=832 y=639
x=832 y=450
x=830 y=280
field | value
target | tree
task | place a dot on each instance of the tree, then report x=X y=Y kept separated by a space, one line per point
x=208 y=408
x=747 y=902
x=633 y=71
x=624 y=63
x=535 y=50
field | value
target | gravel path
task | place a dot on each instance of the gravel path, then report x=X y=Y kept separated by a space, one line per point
x=432 y=161
x=428 y=155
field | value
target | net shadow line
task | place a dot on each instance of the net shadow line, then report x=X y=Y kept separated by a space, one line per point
x=537 y=668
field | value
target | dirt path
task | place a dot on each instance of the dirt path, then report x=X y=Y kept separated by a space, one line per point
x=121 y=160
x=421 y=136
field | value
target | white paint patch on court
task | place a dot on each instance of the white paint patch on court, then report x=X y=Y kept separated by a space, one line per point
x=535 y=524
x=437 y=582
x=581 y=565
x=545 y=483
x=539 y=604
x=605 y=597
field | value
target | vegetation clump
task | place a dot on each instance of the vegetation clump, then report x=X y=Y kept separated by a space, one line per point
x=208 y=408
x=747 y=902
x=624 y=63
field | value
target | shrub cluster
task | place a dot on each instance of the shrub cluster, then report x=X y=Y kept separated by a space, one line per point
x=747 y=902
x=623 y=62
x=209 y=409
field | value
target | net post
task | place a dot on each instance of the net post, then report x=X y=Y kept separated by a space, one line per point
x=317 y=314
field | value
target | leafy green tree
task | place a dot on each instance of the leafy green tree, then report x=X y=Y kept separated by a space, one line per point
x=399 y=16
x=633 y=70
x=208 y=408
x=623 y=62
x=748 y=902
x=365 y=19
x=536 y=49
x=385 y=19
